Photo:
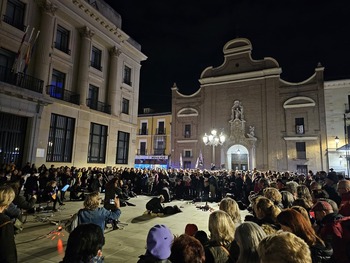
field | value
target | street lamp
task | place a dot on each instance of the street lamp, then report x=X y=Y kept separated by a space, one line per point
x=336 y=139
x=213 y=139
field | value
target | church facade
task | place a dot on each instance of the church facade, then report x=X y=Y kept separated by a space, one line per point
x=268 y=123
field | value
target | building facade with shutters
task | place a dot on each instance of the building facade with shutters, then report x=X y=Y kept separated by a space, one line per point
x=153 y=140
x=69 y=84
x=269 y=123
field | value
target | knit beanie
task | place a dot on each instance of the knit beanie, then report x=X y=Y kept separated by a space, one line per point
x=159 y=241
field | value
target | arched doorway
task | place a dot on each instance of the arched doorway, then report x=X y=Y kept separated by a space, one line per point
x=238 y=157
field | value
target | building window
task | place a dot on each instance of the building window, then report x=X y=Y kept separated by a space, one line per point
x=7 y=59
x=187 y=165
x=161 y=128
x=123 y=147
x=143 y=130
x=142 y=150
x=62 y=39
x=58 y=80
x=15 y=14
x=97 y=143
x=159 y=143
x=299 y=126
x=96 y=56
x=125 y=106
x=61 y=137
x=92 y=101
x=188 y=153
x=127 y=75
x=301 y=150
x=187 y=130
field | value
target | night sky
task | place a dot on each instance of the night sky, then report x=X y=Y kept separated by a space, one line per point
x=181 y=38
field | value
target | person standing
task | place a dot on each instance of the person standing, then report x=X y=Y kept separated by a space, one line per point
x=8 y=250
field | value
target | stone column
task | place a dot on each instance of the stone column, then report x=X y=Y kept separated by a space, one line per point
x=112 y=80
x=44 y=42
x=84 y=63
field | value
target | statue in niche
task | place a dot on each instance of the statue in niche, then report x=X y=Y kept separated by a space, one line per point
x=251 y=131
x=237 y=111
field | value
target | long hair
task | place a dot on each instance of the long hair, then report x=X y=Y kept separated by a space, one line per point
x=304 y=193
x=265 y=208
x=230 y=206
x=7 y=194
x=84 y=243
x=221 y=227
x=299 y=226
x=248 y=236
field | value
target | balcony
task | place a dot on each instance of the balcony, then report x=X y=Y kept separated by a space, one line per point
x=159 y=151
x=143 y=131
x=21 y=80
x=13 y=22
x=160 y=131
x=63 y=94
x=99 y=106
x=141 y=151
x=187 y=134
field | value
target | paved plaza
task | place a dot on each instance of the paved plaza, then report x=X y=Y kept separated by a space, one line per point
x=40 y=242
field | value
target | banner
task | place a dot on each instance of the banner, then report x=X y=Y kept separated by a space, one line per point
x=181 y=164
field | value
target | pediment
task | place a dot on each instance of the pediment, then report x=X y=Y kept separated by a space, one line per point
x=186 y=112
x=299 y=102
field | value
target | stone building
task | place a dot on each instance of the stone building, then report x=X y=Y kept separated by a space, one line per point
x=153 y=140
x=74 y=100
x=337 y=101
x=269 y=123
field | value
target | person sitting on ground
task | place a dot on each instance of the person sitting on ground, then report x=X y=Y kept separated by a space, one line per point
x=154 y=207
x=248 y=236
x=85 y=245
x=20 y=201
x=230 y=206
x=50 y=193
x=8 y=251
x=75 y=192
x=159 y=242
x=187 y=249
x=92 y=213
x=283 y=247
x=222 y=230
x=292 y=221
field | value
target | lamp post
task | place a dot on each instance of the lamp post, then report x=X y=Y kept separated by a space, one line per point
x=213 y=139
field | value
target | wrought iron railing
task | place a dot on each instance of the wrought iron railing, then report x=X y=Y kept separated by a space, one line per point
x=63 y=94
x=160 y=131
x=21 y=80
x=159 y=151
x=99 y=106
x=141 y=151
x=143 y=131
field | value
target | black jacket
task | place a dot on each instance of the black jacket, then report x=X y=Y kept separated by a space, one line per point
x=321 y=253
x=151 y=259
x=8 y=251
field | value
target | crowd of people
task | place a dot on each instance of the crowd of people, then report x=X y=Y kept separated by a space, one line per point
x=293 y=217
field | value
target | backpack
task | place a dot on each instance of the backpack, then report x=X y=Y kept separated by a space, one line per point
x=72 y=223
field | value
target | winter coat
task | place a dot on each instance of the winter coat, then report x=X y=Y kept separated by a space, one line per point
x=321 y=253
x=8 y=251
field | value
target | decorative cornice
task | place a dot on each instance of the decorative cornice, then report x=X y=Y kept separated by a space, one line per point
x=300 y=138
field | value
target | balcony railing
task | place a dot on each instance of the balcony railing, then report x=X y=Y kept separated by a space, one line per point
x=21 y=80
x=143 y=131
x=141 y=151
x=11 y=21
x=159 y=151
x=160 y=131
x=63 y=94
x=187 y=135
x=99 y=106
